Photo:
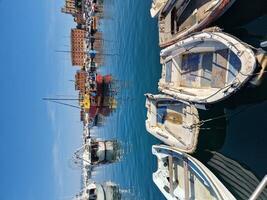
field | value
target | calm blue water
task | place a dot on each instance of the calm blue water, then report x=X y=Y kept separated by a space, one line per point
x=135 y=38
x=137 y=70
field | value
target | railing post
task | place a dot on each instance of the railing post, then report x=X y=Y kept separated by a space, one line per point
x=259 y=189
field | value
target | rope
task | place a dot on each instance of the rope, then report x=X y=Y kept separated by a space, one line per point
x=202 y=122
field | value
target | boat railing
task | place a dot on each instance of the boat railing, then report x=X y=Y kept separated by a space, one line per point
x=259 y=189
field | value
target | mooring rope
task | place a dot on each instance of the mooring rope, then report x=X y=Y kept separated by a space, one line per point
x=229 y=116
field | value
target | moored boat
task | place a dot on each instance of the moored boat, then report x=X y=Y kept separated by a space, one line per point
x=95 y=152
x=180 y=176
x=179 y=18
x=206 y=67
x=94 y=191
x=173 y=122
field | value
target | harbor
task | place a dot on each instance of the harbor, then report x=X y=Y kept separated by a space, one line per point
x=203 y=69
x=134 y=100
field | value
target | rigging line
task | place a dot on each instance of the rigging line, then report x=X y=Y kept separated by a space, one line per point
x=229 y=116
x=63 y=99
x=65 y=104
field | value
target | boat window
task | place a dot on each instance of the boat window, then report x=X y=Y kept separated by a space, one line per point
x=161 y=112
x=92 y=191
x=94 y=156
x=166 y=188
x=168 y=71
x=234 y=66
x=92 y=194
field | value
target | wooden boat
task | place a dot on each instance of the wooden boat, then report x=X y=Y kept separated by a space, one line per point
x=179 y=18
x=172 y=121
x=180 y=176
x=206 y=67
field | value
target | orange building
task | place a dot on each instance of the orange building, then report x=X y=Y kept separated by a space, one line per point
x=78 y=47
x=80 y=81
x=69 y=7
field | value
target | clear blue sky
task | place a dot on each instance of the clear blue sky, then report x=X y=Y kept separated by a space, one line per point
x=37 y=138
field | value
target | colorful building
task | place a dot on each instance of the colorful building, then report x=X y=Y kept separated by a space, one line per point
x=78 y=47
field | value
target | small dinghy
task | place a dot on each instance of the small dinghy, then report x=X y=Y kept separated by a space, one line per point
x=173 y=122
x=179 y=18
x=180 y=176
x=206 y=67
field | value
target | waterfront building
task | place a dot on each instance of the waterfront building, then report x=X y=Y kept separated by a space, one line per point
x=78 y=47
x=69 y=7
x=81 y=77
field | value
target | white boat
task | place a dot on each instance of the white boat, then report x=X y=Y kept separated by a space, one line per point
x=173 y=122
x=103 y=152
x=94 y=191
x=178 y=18
x=95 y=152
x=206 y=67
x=182 y=177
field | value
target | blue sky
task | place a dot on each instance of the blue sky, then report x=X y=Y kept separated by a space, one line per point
x=37 y=138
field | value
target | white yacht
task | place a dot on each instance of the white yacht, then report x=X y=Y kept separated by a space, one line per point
x=95 y=152
x=94 y=191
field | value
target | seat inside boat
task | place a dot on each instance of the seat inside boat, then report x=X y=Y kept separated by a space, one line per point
x=207 y=69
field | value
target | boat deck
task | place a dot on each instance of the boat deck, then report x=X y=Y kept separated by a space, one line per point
x=173 y=117
x=203 y=70
x=189 y=17
x=178 y=20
